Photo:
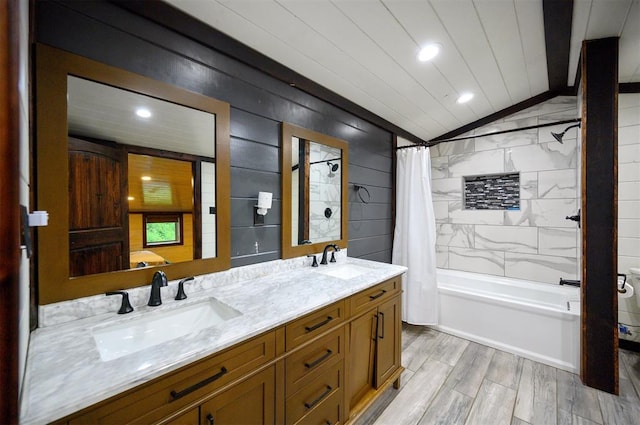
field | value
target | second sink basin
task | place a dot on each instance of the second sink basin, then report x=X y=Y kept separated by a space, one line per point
x=343 y=271
x=156 y=327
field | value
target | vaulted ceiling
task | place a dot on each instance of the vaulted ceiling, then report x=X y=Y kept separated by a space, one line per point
x=365 y=50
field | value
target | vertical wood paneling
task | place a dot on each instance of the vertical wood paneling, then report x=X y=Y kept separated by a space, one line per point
x=108 y=33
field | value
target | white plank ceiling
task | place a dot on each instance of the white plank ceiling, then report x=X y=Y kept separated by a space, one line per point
x=365 y=50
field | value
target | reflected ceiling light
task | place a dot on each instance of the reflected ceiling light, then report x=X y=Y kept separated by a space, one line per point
x=130 y=198
x=465 y=97
x=428 y=52
x=145 y=178
x=143 y=113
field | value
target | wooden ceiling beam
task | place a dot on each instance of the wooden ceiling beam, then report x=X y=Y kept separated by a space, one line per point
x=558 y=18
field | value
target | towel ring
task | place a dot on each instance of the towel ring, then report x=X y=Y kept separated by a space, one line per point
x=359 y=190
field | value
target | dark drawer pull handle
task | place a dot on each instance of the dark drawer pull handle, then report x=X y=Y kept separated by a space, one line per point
x=373 y=297
x=318 y=325
x=178 y=394
x=320 y=360
x=319 y=399
x=381 y=336
x=210 y=420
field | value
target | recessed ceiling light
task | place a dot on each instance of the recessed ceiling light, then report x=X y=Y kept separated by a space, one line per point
x=145 y=178
x=465 y=97
x=428 y=52
x=143 y=113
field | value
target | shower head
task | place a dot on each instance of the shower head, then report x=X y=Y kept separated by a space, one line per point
x=333 y=167
x=559 y=136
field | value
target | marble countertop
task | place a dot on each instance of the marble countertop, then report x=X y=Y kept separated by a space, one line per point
x=65 y=372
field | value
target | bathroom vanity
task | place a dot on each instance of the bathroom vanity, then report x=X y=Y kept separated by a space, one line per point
x=308 y=345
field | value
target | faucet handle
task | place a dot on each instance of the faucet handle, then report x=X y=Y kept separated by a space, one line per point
x=125 y=307
x=181 y=295
x=315 y=261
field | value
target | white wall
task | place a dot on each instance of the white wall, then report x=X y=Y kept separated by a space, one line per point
x=629 y=204
x=534 y=243
x=23 y=88
x=208 y=194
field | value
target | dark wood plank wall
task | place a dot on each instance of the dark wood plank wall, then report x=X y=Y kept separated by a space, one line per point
x=105 y=32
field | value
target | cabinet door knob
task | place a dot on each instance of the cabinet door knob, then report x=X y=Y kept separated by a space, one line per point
x=210 y=420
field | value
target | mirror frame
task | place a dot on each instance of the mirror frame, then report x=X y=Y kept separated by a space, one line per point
x=289 y=131
x=52 y=176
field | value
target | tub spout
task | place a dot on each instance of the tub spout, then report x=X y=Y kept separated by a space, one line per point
x=569 y=282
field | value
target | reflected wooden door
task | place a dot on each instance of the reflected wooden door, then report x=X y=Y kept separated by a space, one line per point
x=98 y=228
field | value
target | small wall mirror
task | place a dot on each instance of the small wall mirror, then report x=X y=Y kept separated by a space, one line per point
x=135 y=176
x=314 y=178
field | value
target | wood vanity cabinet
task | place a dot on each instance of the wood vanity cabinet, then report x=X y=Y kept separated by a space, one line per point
x=374 y=344
x=314 y=367
x=179 y=393
x=326 y=367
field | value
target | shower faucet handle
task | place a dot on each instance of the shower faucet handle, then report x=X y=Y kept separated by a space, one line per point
x=575 y=218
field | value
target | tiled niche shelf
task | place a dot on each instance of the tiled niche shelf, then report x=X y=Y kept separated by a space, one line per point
x=492 y=192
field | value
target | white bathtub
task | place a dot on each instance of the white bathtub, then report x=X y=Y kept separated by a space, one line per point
x=534 y=320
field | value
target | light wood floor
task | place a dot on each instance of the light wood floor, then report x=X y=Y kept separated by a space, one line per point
x=453 y=381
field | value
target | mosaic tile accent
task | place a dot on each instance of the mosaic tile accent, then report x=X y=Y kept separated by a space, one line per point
x=492 y=192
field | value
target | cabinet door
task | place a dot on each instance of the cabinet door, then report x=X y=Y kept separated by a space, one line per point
x=249 y=402
x=388 y=341
x=362 y=339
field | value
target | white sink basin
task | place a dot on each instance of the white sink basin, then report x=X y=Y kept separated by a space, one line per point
x=156 y=327
x=343 y=271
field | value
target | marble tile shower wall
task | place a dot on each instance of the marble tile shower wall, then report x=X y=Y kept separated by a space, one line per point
x=629 y=203
x=535 y=242
x=324 y=193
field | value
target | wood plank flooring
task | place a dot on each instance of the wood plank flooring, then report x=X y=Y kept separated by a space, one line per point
x=452 y=381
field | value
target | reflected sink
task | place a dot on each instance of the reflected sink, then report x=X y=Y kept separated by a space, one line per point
x=343 y=271
x=156 y=327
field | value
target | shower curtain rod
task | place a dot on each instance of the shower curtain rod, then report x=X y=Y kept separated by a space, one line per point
x=435 y=142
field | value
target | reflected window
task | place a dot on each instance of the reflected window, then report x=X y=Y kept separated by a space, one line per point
x=164 y=229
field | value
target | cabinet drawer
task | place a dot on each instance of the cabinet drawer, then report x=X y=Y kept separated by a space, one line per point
x=329 y=412
x=315 y=395
x=304 y=329
x=369 y=297
x=157 y=399
x=313 y=359
x=250 y=402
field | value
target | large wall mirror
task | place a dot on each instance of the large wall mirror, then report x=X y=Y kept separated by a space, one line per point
x=134 y=173
x=314 y=191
